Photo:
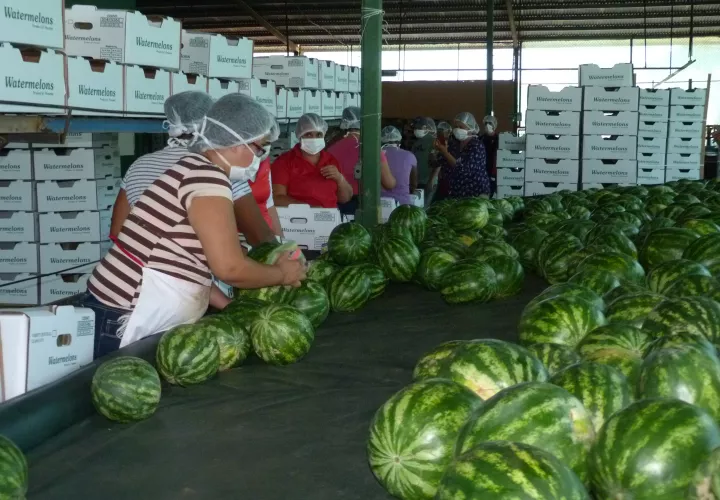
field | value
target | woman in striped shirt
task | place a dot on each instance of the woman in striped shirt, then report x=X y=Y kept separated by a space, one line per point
x=182 y=229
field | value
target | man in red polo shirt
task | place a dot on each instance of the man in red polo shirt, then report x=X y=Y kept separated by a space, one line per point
x=307 y=174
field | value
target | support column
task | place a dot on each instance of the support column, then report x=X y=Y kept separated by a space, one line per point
x=489 y=47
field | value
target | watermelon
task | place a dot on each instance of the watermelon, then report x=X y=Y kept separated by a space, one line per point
x=485 y=249
x=695 y=211
x=703 y=250
x=125 y=389
x=243 y=311
x=187 y=355
x=543 y=222
x=411 y=218
x=682 y=339
x=509 y=273
x=626 y=288
x=618 y=242
x=433 y=265
x=578 y=228
x=623 y=266
x=619 y=345
x=535 y=413
x=526 y=243
x=467 y=238
x=377 y=278
x=701 y=226
x=469 y=213
x=693 y=286
x=232 y=337
x=494 y=217
x=505 y=208
x=673 y=211
x=349 y=289
x=561 y=320
x=469 y=281
x=413 y=435
x=312 y=300
x=633 y=308
x=596 y=279
x=268 y=253
x=666 y=244
x=430 y=365
x=321 y=270
x=349 y=243
x=553 y=256
x=568 y=290
x=454 y=247
x=651 y=450
x=602 y=389
x=707 y=479
x=538 y=206
x=625 y=217
x=14 y=469
x=509 y=471
x=579 y=212
x=492 y=232
x=484 y=366
x=555 y=357
x=663 y=276
x=696 y=315
x=398 y=258
x=281 y=334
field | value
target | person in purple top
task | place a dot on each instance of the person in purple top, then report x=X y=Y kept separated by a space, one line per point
x=403 y=166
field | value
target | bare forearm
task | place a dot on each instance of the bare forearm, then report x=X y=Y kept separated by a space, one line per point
x=276 y=226
x=344 y=191
x=449 y=158
x=250 y=274
x=218 y=299
x=283 y=200
x=250 y=222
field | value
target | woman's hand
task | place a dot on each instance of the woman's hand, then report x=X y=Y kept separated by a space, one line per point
x=332 y=172
x=293 y=270
x=441 y=146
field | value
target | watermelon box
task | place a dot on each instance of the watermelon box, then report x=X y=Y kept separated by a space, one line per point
x=387 y=206
x=43 y=344
x=308 y=227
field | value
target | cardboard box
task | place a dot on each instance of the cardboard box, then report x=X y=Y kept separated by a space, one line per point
x=95 y=84
x=540 y=188
x=19 y=258
x=687 y=113
x=327 y=103
x=308 y=227
x=654 y=113
x=146 y=90
x=263 y=91
x=218 y=88
x=651 y=145
x=34 y=76
x=615 y=147
x=511 y=142
x=18 y=289
x=606 y=185
x=42 y=345
x=187 y=82
x=353 y=79
x=216 y=55
x=620 y=75
x=18 y=226
x=684 y=160
x=654 y=97
x=685 y=97
x=76 y=196
x=653 y=129
x=342 y=78
x=387 y=207
x=17 y=196
x=15 y=164
x=340 y=102
x=152 y=41
x=684 y=145
x=75 y=227
x=288 y=71
x=75 y=140
x=327 y=75
x=686 y=129
x=676 y=174
x=38 y=23
x=418 y=198
x=541 y=98
x=296 y=103
x=61 y=286
x=95 y=33
x=511 y=176
x=281 y=100
x=68 y=257
x=552 y=122
x=553 y=146
x=612 y=171
x=68 y=164
x=508 y=191
x=614 y=123
x=544 y=170
x=510 y=159
x=611 y=99
x=650 y=176
x=651 y=160
x=351 y=99
x=313 y=102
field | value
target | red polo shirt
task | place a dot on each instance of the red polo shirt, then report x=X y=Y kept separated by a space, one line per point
x=261 y=190
x=303 y=180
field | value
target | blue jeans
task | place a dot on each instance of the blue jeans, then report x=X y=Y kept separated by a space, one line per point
x=106 y=323
x=350 y=207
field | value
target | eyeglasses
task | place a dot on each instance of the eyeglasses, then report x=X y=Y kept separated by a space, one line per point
x=259 y=150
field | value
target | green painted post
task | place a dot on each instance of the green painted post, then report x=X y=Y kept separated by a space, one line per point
x=371 y=44
x=489 y=48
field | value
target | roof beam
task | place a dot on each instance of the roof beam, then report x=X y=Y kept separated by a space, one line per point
x=511 y=19
x=265 y=24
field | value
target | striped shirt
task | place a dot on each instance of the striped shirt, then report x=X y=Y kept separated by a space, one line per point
x=158 y=233
x=147 y=168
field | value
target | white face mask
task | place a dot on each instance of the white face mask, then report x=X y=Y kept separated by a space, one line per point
x=460 y=134
x=420 y=133
x=489 y=129
x=245 y=174
x=312 y=145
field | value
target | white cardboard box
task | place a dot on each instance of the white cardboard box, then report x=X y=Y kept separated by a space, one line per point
x=606 y=185
x=263 y=91
x=609 y=171
x=510 y=159
x=651 y=145
x=288 y=71
x=38 y=23
x=651 y=176
x=611 y=99
x=18 y=226
x=68 y=257
x=387 y=207
x=17 y=196
x=216 y=55
x=552 y=146
x=327 y=75
x=686 y=129
x=60 y=286
x=539 y=188
x=342 y=78
x=68 y=164
x=281 y=100
x=653 y=129
x=508 y=191
x=15 y=164
x=327 y=103
x=95 y=84
x=351 y=99
x=552 y=122
x=684 y=145
x=34 y=76
x=543 y=170
x=511 y=142
x=44 y=344
x=75 y=196
x=19 y=258
x=339 y=102
x=146 y=90
x=620 y=75
x=95 y=33
x=18 y=289
x=615 y=123
x=86 y=140
x=353 y=79
x=510 y=176
x=296 y=103
x=218 y=88
x=313 y=101
x=308 y=227
x=684 y=161
x=75 y=227
x=616 y=147
x=684 y=97
x=676 y=174
x=187 y=82
x=687 y=113
x=153 y=42
x=654 y=97
x=541 y=98
x=651 y=160
x=652 y=113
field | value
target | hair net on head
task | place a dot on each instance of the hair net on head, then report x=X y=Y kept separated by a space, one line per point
x=310 y=122
x=444 y=127
x=185 y=111
x=490 y=120
x=425 y=123
x=390 y=134
x=350 y=118
x=234 y=120
x=469 y=120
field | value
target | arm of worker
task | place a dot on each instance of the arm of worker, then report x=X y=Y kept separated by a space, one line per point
x=218 y=299
x=121 y=209
x=443 y=150
x=250 y=221
x=413 y=179
x=344 y=189
x=387 y=180
x=281 y=198
x=272 y=211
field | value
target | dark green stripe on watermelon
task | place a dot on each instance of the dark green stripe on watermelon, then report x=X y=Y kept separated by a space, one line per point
x=187 y=355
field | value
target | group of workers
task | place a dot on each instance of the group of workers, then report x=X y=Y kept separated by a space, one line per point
x=176 y=220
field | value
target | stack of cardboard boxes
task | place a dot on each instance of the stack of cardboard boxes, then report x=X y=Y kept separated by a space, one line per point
x=685 y=134
x=510 y=165
x=654 y=113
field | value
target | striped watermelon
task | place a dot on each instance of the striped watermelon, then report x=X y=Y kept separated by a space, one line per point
x=666 y=244
x=623 y=266
x=233 y=339
x=349 y=243
x=651 y=450
x=505 y=207
x=432 y=362
x=553 y=256
x=13 y=470
x=579 y=212
x=398 y=258
x=484 y=249
x=509 y=274
x=311 y=299
x=633 y=308
x=626 y=288
x=695 y=211
x=434 y=263
x=682 y=339
x=243 y=311
x=619 y=345
x=568 y=290
x=484 y=366
x=187 y=355
x=602 y=389
x=281 y=334
x=348 y=289
x=377 y=278
x=538 y=414
x=707 y=479
x=502 y=470
x=701 y=226
x=697 y=315
x=663 y=276
x=560 y=320
x=555 y=357
x=125 y=389
x=544 y=222
x=598 y=280
x=493 y=232
x=526 y=243
x=321 y=270
x=578 y=228
x=618 y=242
x=411 y=218
x=469 y=213
x=494 y=217
x=268 y=253
x=413 y=435
x=694 y=286
x=469 y=281
x=703 y=250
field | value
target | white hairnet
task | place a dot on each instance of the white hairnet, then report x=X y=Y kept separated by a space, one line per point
x=490 y=120
x=425 y=123
x=468 y=119
x=310 y=122
x=444 y=127
x=390 y=134
x=185 y=111
x=350 y=118
x=234 y=120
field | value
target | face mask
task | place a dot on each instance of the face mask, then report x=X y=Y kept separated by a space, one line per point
x=489 y=129
x=312 y=146
x=266 y=152
x=460 y=134
x=245 y=174
x=420 y=133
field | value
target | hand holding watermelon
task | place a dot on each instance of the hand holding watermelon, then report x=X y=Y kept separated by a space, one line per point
x=293 y=270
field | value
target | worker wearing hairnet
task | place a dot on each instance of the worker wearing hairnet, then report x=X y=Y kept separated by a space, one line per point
x=403 y=166
x=308 y=174
x=463 y=161
x=182 y=231
x=423 y=147
x=491 y=142
x=347 y=152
